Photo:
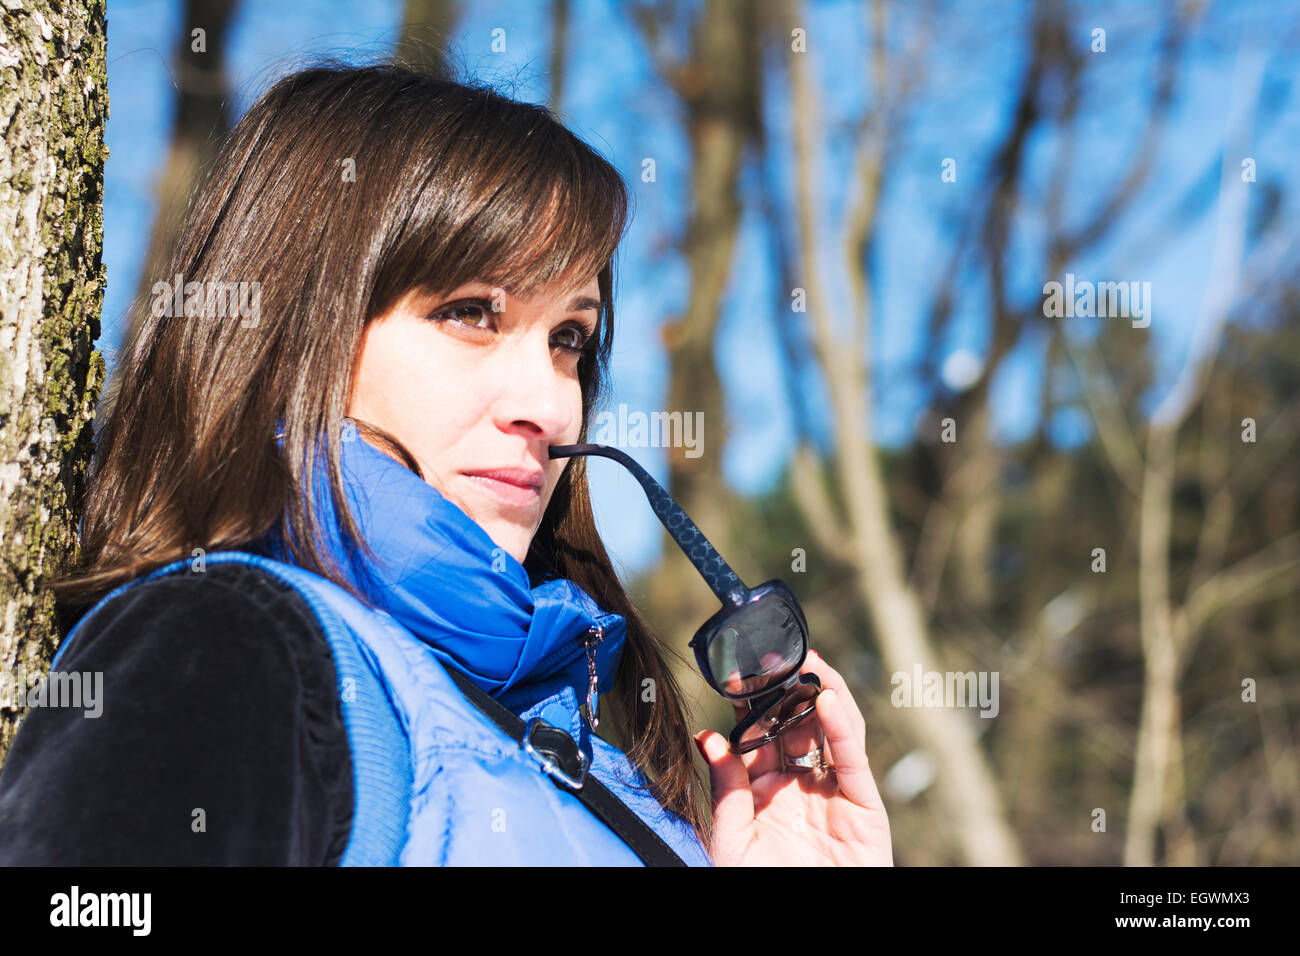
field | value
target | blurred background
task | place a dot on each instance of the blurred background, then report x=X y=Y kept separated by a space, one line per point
x=847 y=218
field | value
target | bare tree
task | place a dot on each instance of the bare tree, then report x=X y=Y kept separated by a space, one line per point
x=427 y=27
x=1169 y=630
x=559 y=52
x=202 y=119
x=1145 y=467
x=861 y=530
x=717 y=85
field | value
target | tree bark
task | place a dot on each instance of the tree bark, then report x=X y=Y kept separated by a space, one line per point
x=53 y=83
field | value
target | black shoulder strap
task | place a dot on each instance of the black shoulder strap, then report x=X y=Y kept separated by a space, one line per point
x=634 y=831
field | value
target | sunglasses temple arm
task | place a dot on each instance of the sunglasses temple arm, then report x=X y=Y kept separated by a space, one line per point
x=711 y=565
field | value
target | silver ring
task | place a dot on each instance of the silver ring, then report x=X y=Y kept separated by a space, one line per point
x=814 y=759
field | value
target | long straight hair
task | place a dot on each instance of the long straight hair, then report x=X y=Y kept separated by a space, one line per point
x=342 y=189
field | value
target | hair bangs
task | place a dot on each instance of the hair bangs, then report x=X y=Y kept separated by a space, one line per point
x=491 y=230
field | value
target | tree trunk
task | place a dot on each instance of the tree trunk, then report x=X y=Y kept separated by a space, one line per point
x=559 y=54
x=427 y=27
x=965 y=788
x=53 y=81
x=718 y=89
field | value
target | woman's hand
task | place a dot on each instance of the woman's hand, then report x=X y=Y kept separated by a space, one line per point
x=764 y=817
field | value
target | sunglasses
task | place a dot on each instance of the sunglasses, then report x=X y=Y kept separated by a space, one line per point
x=752 y=648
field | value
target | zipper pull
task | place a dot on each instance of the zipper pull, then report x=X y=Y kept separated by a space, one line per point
x=592 y=696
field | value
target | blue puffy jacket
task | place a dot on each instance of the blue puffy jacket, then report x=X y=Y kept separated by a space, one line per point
x=435 y=781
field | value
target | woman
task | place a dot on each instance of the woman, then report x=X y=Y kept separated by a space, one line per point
x=428 y=310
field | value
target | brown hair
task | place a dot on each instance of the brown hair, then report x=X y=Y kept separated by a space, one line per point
x=451 y=183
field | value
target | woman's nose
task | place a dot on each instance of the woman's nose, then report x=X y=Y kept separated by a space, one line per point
x=535 y=392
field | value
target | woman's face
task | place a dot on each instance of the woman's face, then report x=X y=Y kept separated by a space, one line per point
x=471 y=391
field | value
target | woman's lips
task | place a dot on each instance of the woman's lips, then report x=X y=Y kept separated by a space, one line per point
x=507 y=492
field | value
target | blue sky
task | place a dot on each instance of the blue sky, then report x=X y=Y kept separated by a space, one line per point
x=615 y=101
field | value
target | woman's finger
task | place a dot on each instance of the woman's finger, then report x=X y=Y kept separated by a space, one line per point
x=804 y=736
x=852 y=770
x=733 y=801
x=831 y=680
x=807 y=734
x=765 y=759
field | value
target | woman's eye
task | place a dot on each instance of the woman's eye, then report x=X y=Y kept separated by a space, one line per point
x=468 y=315
x=471 y=316
x=479 y=316
x=571 y=338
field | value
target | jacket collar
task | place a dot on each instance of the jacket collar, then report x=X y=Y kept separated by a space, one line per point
x=443 y=578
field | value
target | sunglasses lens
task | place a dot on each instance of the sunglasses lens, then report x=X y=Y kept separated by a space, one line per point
x=797 y=704
x=758 y=647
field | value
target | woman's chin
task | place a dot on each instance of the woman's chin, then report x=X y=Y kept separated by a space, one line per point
x=506 y=536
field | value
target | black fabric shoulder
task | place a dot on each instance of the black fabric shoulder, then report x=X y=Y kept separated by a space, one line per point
x=219 y=739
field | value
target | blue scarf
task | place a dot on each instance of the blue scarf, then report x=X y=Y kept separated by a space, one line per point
x=444 y=579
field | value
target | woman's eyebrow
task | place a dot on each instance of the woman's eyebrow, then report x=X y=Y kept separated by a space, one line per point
x=584 y=302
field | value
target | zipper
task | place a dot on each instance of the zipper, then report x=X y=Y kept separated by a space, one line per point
x=595 y=634
x=569 y=650
x=574 y=648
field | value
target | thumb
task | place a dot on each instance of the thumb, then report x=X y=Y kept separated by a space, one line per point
x=733 y=801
